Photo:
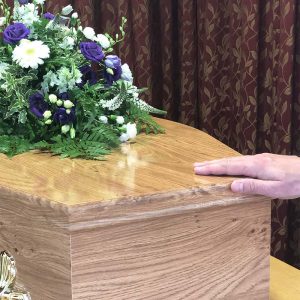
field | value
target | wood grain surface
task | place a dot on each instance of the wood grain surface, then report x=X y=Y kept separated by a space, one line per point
x=284 y=281
x=140 y=225
x=154 y=164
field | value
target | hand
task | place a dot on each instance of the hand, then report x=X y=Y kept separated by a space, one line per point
x=276 y=176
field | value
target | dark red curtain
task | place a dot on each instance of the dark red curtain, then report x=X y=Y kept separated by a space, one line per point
x=228 y=67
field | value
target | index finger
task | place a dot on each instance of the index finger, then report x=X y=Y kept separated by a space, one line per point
x=240 y=165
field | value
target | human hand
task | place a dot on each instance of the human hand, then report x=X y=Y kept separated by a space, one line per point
x=276 y=176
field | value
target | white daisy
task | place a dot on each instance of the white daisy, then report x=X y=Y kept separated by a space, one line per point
x=30 y=54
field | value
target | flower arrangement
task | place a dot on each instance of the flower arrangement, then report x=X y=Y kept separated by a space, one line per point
x=62 y=89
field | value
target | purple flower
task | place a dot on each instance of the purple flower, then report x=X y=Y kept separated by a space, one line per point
x=23 y=2
x=15 y=32
x=37 y=105
x=62 y=117
x=88 y=75
x=91 y=51
x=64 y=96
x=48 y=16
x=112 y=62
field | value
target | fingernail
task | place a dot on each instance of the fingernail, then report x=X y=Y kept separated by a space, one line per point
x=197 y=170
x=237 y=187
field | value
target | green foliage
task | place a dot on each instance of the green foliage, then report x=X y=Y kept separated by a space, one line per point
x=13 y=145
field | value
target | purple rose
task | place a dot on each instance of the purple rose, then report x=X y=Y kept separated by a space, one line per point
x=113 y=63
x=88 y=76
x=91 y=51
x=15 y=32
x=23 y=2
x=62 y=117
x=48 y=16
x=37 y=105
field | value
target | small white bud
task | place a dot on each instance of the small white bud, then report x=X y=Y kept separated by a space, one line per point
x=72 y=133
x=120 y=120
x=68 y=104
x=52 y=98
x=65 y=128
x=103 y=41
x=103 y=119
x=2 y=21
x=75 y=15
x=68 y=111
x=48 y=122
x=59 y=103
x=67 y=10
x=110 y=71
x=47 y=114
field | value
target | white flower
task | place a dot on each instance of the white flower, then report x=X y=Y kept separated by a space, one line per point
x=103 y=41
x=47 y=114
x=67 y=79
x=41 y=2
x=2 y=21
x=3 y=69
x=103 y=119
x=26 y=14
x=74 y=15
x=120 y=120
x=30 y=54
x=131 y=130
x=65 y=128
x=52 y=98
x=67 y=10
x=124 y=137
x=89 y=33
x=126 y=73
x=68 y=43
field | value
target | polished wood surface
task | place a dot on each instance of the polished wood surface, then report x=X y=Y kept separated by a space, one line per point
x=154 y=164
x=284 y=281
x=140 y=225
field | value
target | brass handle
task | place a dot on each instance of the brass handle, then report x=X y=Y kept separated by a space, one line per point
x=8 y=274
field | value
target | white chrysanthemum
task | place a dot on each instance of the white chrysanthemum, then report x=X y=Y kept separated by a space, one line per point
x=26 y=14
x=103 y=41
x=89 y=33
x=30 y=54
x=126 y=73
x=2 y=21
x=3 y=69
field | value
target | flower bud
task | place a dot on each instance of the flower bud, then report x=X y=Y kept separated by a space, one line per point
x=72 y=133
x=48 y=122
x=120 y=120
x=68 y=111
x=47 y=114
x=103 y=119
x=110 y=71
x=52 y=98
x=67 y=10
x=68 y=104
x=2 y=21
x=65 y=128
x=74 y=15
x=59 y=103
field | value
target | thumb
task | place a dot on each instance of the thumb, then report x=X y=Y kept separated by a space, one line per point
x=255 y=186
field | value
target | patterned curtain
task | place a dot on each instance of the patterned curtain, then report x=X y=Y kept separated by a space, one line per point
x=230 y=68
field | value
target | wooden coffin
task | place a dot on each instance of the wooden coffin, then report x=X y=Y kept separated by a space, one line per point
x=140 y=225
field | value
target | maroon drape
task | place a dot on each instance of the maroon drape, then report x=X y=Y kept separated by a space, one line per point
x=228 y=67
